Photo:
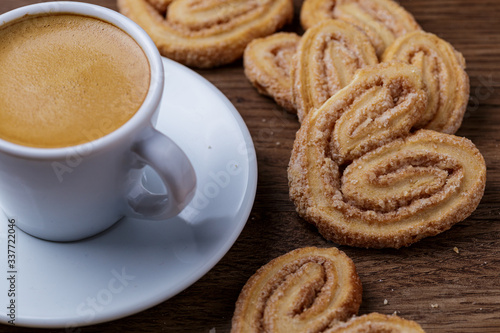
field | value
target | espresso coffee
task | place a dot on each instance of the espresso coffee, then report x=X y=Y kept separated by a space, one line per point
x=67 y=79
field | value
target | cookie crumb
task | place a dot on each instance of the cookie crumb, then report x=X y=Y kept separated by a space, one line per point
x=434 y=306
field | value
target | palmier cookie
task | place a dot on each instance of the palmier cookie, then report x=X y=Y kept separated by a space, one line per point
x=268 y=61
x=327 y=57
x=377 y=323
x=382 y=20
x=446 y=82
x=360 y=175
x=305 y=290
x=206 y=33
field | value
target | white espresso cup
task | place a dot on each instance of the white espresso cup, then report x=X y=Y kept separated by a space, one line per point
x=70 y=193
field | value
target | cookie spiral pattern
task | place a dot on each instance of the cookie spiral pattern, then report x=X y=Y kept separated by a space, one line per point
x=443 y=69
x=314 y=11
x=377 y=323
x=305 y=290
x=364 y=179
x=382 y=20
x=327 y=57
x=268 y=65
x=206 y=33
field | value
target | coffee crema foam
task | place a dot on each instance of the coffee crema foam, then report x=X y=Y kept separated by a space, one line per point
x=67 y=79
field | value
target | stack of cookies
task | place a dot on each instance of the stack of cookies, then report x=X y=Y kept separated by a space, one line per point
x=375 y=163
x=349 y=35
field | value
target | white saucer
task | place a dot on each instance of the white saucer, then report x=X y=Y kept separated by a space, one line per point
x=138 y=264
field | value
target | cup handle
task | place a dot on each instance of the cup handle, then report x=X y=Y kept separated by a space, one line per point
x=176 y=171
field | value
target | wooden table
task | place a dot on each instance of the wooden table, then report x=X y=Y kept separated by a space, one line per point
x=429 y=282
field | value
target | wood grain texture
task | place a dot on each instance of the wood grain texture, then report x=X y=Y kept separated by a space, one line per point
x=429 y=282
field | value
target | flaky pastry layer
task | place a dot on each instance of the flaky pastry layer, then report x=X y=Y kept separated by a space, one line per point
x=364 y=179
x=305 y=290
x=328 y=56
x=382 y=20
x=206 y=33
x=377 y=323
x=268 y=65
x=443 y=70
